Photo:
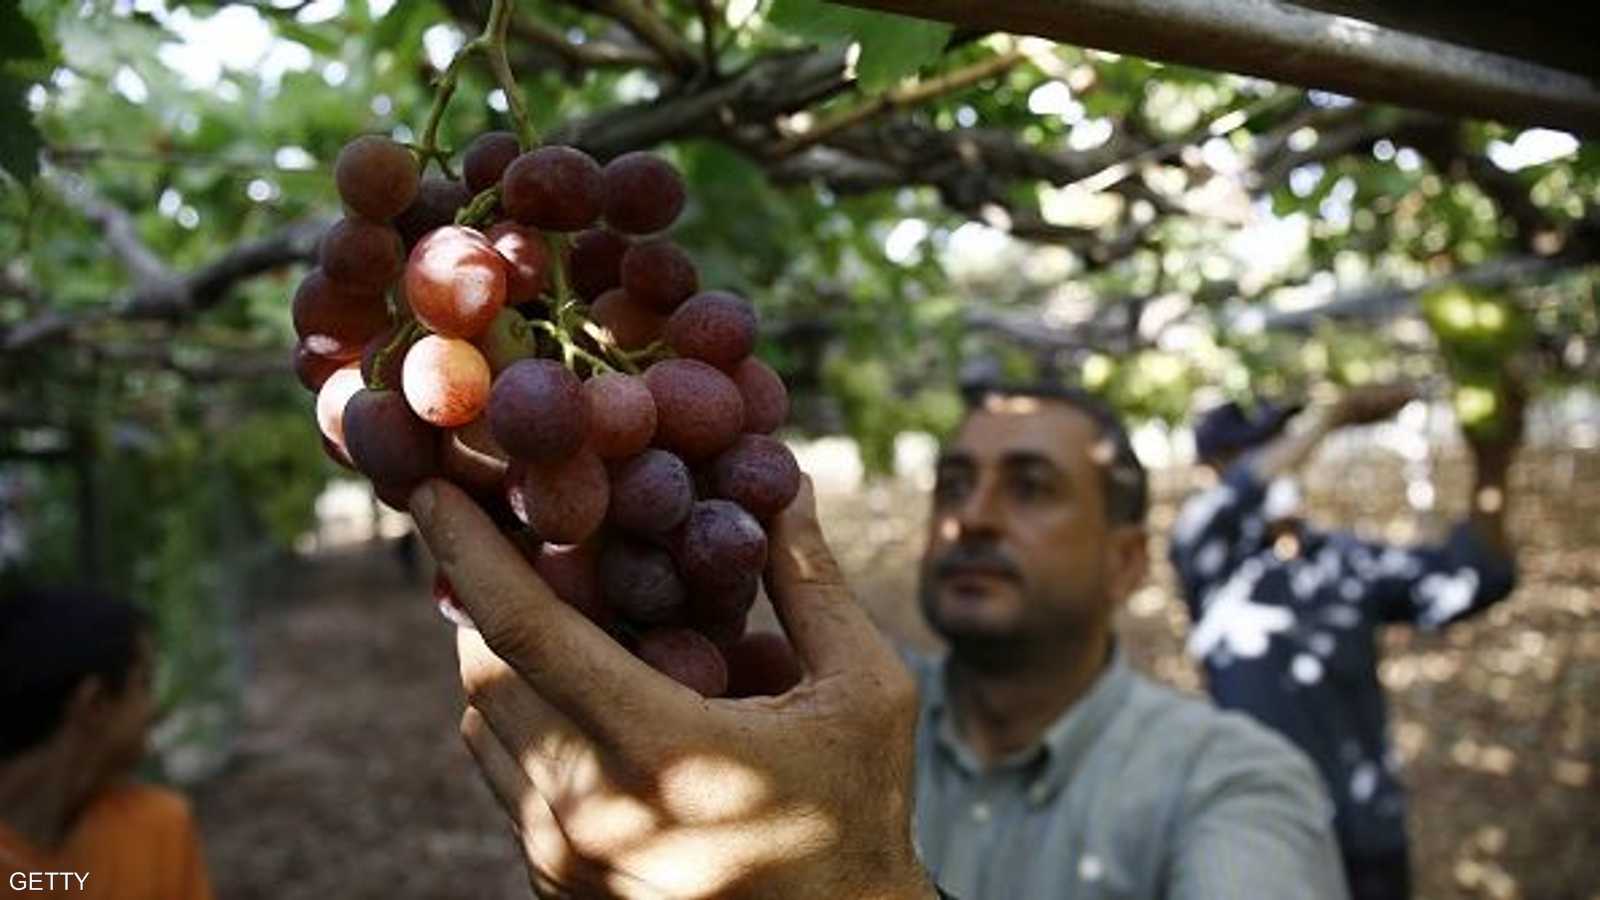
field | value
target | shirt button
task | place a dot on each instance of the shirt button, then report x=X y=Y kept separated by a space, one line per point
x=1038 y=794
x=980 y=812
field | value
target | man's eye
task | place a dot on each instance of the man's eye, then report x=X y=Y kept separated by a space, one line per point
x=1031 y=487
x=952 y=487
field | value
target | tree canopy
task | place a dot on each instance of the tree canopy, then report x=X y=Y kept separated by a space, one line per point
x=908 y=205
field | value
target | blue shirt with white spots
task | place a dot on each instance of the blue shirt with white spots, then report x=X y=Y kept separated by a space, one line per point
x=1286 y=630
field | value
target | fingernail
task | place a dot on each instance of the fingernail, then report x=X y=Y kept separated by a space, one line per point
x=455 y=615
x=804 y=504
x=422 y=503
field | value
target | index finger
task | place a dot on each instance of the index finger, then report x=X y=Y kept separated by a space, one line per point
x=574 y=665
x=829 y=630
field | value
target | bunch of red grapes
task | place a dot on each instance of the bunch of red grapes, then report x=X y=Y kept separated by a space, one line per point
x=527 y=333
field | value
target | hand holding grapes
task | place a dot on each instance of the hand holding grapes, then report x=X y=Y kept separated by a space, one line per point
x=584 y=436
x=622 y=782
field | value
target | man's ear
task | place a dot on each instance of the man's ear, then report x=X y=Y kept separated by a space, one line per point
x=1130 y=560
x=88 y=703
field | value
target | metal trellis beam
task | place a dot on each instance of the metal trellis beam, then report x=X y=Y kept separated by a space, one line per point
x=1288 y=43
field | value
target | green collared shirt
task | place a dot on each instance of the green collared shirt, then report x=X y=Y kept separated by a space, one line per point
x=1135 y=793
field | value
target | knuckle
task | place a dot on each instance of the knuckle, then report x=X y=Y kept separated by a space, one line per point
x=510 y=638
x=815 y=565
x=887 y=694
x=900 y=696
x=472 y=728
x=475 y=677
x=480 y=673
x=633 y=763
x=477 y=690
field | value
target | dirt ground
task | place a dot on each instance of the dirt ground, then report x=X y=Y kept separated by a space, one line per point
x=349 y=780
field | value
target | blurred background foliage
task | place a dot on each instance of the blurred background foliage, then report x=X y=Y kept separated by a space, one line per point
x=909 y=206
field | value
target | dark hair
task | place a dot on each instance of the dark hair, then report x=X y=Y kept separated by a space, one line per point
x=1123 y=479
x=50 y=641
x=1224 y=431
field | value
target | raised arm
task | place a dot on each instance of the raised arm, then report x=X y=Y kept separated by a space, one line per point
x=1475 y=566
x=1358 y=406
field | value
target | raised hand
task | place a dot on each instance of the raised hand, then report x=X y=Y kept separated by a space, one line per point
x=623 y=783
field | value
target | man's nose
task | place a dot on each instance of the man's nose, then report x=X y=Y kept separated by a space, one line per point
x=979 y=514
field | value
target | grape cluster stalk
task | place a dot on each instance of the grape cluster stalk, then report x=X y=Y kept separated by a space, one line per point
x=533 y=334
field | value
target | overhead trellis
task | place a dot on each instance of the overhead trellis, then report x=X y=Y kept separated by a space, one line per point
x=1534 y=74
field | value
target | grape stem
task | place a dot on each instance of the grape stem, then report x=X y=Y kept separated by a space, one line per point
x=494 y=49
x=657 y=349
x=570 y=350
x=570 y=317
x=402 y=336
x=492 y=42
x=479 y=211
x=560 y=248
x=428 y=148
x=623 y=360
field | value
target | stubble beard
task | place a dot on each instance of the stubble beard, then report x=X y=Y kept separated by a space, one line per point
x=1027 y=643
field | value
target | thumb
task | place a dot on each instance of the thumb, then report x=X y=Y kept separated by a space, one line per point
x=830 y=632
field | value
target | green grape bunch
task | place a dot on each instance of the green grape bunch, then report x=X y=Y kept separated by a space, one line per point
x=1480 y=335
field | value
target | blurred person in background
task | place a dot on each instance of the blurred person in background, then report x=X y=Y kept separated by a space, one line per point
x=1285 y=616
x=76 y=704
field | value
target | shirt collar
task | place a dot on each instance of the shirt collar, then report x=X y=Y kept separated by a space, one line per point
x=1061 y=747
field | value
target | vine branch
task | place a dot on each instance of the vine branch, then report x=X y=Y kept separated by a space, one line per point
x=184 y=294
x=707 y=10
x=652 y=30
x=899 y=98
x=492 y=43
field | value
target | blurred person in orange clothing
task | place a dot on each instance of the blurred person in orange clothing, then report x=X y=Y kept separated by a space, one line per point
x=75 y=706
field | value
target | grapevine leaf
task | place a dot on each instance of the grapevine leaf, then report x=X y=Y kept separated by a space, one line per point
x=813 y=19
x=892 y=46
x=319 y=41
x=20 y=46
x=402 y=24
x=19 y=39
x=19 y=141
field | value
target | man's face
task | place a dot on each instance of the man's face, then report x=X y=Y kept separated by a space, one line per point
x=1019 y=547
x=1218 y=463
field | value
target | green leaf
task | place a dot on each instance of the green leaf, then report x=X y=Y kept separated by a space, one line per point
x=19 y=39
x=20 y=46
x=824 y=22
x=1588 y=158
x=892 y=46
x=402 y=24
x=19 y=140
x=312 y=38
